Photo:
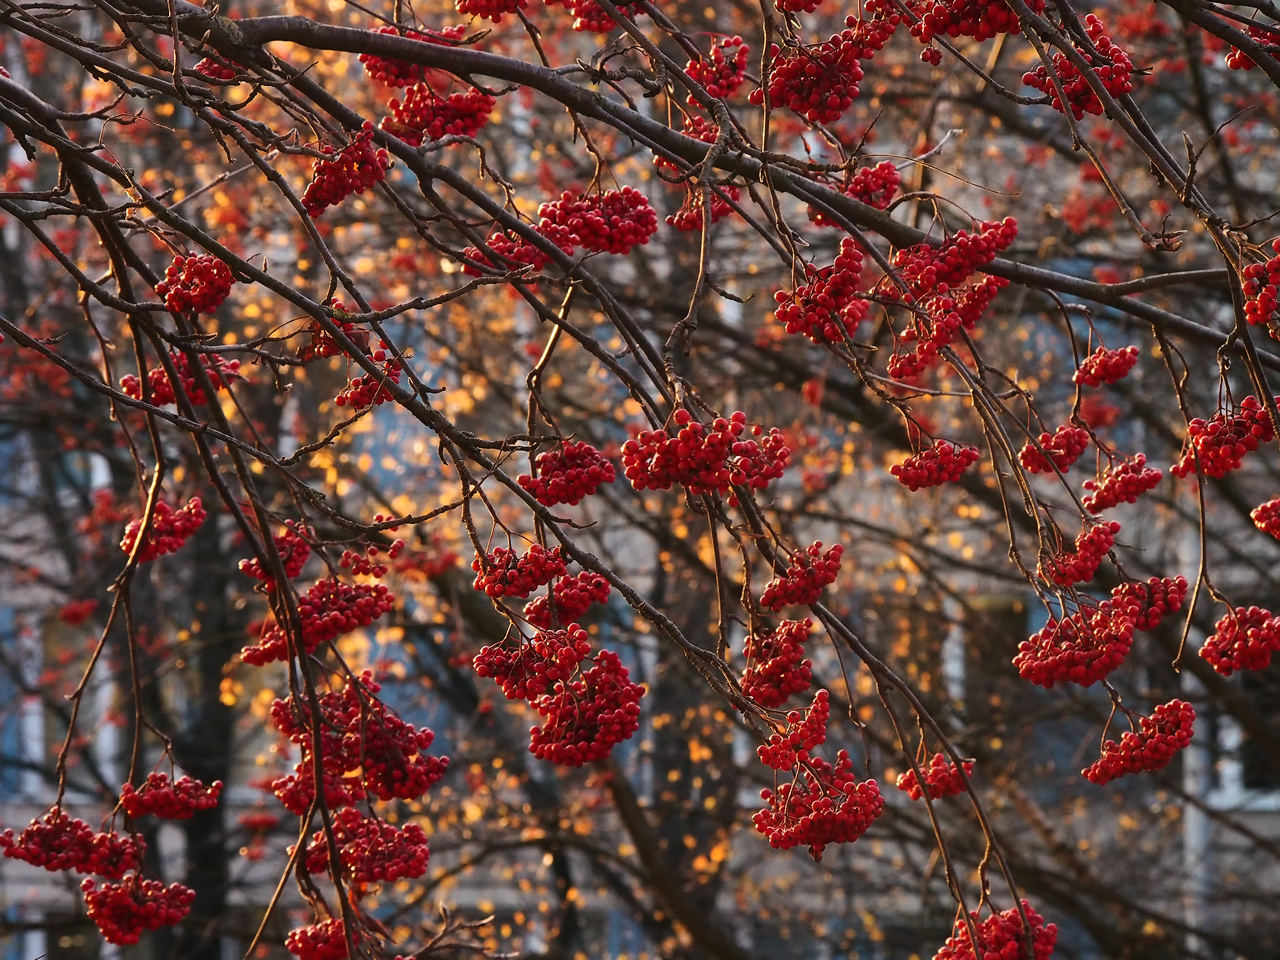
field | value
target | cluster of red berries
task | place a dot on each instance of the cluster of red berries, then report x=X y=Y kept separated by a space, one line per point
x=222 y=373
x=1063 y=447
x=1123 y=482
x=609 y=222
x=584 y=719
x=704 y=461
x=1151 y=601
x=942 y=778
x=178 y=800
x=170 y=529
x=589 y=16
x=402 y=73
x=924 y=267
x=504 y=573
x=827 y=308
x=979 y=19
x=719 y=75
x=1082 y=649
x=1113 y=68
x=1151 y=748
x=1001 y=937
x=326 y=940
x=366 y=563
x=323 y=344
x=941 y=462
x=874 y=186
x=1266 y=517
x=294 y=548
x=493 y=10
x=217 y=70
x=1105 y=366
x=804 y=732
x=329 y=609
x=1079 y=566
x=362 y=736
x=1261 y=287
x=810 y=571
x=57 y=842
x=571 y=597
x=689 y=217
x=1237 y=59
x=369 y=391
x=1221 y=442
x=567 y=474
x=353 y=169
x=535 y=666
x=825 y=804
x=422 y=114
x=370 y=850
x=776 y=667
x=818 y=81
x=195 y=284
x=1244 y=639
x=125 y=911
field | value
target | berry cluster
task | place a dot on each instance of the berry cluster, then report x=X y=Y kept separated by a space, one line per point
x=323 y=344
x=1151 y=748
x=1237 y=59
x=293 y=546
x=980 y=19
x=689 y=217
x=329 y=609
x=719 y=75
x=824 y=804
x=1063 y=447
x=217 y=70
x=1001 y=937
x=810 y=571
x=1244 y=639
x=941 y=462
x=818 y=81
x=1154 y=599
x=422 y=115
x=609 y=222
x=584 y=719
x=1266 y=517
x=1220 y=443
x=589 y=16
x=402 y=73
x=1123 y=482
x=368 y=749
x=1079 y=566
x=941 y=777
x=369 y=391
x=170 y=529
x=125 y=911
x=326 y=940
x=1113 y=68
x=827 y=309
x=366 y=563
x=924 y=267
x=370 y=850
x=804 y=732
x=874 y=186
x=567 y=474
x=353 y=169
x=1105 y=366
x=503 y=573
x=705 y=461
x=222 y=373
x=1082 y=649
x=776 y=667
x=178 y=800
x=1261 y=287
x=195 y=284
x=571 y=598
x=493 y=10
x=534 y=667
x=57 y=842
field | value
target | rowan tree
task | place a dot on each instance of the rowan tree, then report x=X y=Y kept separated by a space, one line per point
x=800 y=478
